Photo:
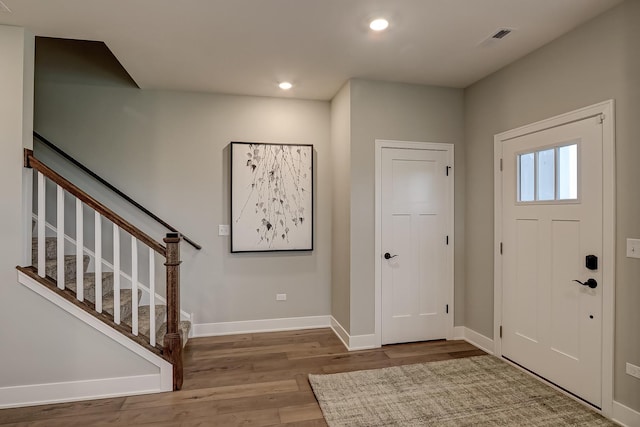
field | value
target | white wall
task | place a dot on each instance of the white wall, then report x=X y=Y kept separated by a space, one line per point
x=170 y=152
x=40 y=342
x=404 y=112
x=341 y=212
x=595 y=62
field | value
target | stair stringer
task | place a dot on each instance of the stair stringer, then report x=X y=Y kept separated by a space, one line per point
x=92 y=389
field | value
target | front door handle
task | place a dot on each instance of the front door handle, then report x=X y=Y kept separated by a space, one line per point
x=389 y=256
x=590 y=283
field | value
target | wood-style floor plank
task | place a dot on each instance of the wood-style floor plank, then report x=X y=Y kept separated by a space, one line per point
x=241 y=380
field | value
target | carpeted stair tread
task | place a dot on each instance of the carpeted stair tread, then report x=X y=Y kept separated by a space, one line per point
x=125 y=303
x=184 y=328
x=51 y=267
x=51 y=248
x=144 y=323
x=89 y=283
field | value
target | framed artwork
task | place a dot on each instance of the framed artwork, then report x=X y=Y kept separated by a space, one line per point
x=271 y=197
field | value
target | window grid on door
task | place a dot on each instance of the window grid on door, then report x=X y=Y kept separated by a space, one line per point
x=549 y=174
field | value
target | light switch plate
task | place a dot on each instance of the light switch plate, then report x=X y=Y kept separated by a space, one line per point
x=281 y=297
x=633 y=248
x=223 y=230
x=633 y=370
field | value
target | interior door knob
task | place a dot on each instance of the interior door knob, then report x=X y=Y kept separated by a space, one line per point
x=389 y=256
x=590 y=283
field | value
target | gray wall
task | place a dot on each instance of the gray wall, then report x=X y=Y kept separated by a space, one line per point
x=341 y=207
x=595 y=62
x=169 y=151
x=35 y=334
x=399 y=112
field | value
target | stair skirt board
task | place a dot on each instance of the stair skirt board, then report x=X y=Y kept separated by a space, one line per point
x=73 y=391
x=263 y=325
x=121 y=386
x=109 y=267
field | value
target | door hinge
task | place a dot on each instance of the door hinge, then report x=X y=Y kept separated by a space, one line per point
x=500 y=165
x=447 y=240
x=500 y=331
x=602 y=117
x=500 y=248
x=447 y=309
x=447 y=170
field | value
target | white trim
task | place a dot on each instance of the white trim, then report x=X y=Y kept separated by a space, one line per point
x=27 y=207
x=362 y=342
x=159 y=298
x=355 y=342
x=472 y=337
x=340 y=332
x=73 y=391
x=166 y=369
x=605 y=108
x=624 y=415
x=380 y=144
x=263 y=325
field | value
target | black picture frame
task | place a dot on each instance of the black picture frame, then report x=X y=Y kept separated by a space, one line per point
x=271 y=197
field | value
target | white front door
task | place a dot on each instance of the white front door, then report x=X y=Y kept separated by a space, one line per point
x=552 y=240
x=415 y=219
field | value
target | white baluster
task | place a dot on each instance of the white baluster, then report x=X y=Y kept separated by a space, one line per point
x=116 y=274
x=42 y=268
x=134 y=286
x=60 y=238
x=79 y=251
x=98 y=261
x=152 y=298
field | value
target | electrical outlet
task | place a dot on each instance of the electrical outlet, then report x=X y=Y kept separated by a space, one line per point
x=223 y=230
x=633 y=370
x=281 y=297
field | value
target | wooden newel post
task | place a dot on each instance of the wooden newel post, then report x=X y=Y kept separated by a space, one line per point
x=173 y=340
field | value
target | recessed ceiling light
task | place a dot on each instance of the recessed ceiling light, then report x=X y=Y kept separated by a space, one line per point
x=285 y=85
x=379 y=24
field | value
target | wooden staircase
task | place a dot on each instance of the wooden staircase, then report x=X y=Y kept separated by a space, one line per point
x=156 y=326
x=108 y=298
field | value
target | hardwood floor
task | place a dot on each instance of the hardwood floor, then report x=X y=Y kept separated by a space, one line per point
x=241 y=380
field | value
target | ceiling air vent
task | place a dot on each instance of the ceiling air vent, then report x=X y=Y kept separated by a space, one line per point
x=501 y=33
x=4 y=8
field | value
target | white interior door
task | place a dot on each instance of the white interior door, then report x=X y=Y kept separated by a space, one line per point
x=415 y=219
x=552 y=220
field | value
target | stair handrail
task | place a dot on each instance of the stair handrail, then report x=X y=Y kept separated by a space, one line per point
x=34 y=163
x=111 y=187
x=171 y=252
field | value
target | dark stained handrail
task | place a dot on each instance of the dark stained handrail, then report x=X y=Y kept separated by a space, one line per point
x=32 y=162
x=113 y=188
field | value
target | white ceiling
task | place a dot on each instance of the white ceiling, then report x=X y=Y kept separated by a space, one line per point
x=247 y=46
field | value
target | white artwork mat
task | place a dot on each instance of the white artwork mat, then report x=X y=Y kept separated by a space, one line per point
x=271 y=197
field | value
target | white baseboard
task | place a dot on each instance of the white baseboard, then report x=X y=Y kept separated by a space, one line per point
x=473 y=337
x=264 y=325
x=340 y=332
x=625 y=416
x=353 y=342
x=41 y=394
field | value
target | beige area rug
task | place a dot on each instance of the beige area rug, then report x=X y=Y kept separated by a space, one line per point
x=475 y=391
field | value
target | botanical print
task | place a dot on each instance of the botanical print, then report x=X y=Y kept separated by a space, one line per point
x=271 y=192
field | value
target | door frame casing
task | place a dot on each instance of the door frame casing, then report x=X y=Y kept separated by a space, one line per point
x=380 y=144
x=605 y=109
